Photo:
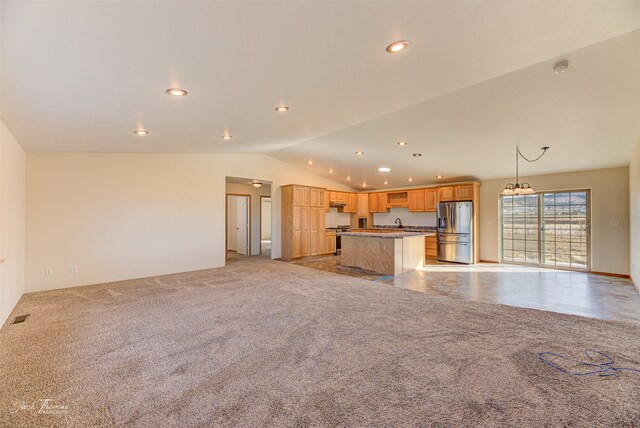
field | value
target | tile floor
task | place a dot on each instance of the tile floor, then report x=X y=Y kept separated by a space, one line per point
x=577 y=293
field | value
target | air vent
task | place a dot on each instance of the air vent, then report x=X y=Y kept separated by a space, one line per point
x=20 y=318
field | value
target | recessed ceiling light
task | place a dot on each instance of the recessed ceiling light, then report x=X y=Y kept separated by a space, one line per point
x=359 y=153
x=384 y=169
x=140 y=132
x=364 y=184
x=330 y=171
x=227 y=137
x=396 y=47
x=282 y=109
x=410 y=180
x=310 y=162
x=402 y=143
x=348 y=178
x=176 y=92
x=386 y=182
x=439 y=176
x=561 y=66
x=417 y=155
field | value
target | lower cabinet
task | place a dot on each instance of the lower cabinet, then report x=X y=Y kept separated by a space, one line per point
x=431 y=247
x=330 y=242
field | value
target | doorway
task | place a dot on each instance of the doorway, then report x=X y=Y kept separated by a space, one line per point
x=551 y=229
x=238 y=224
x=265 y=226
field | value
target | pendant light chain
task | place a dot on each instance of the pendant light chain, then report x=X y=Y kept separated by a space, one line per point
x=521 y=188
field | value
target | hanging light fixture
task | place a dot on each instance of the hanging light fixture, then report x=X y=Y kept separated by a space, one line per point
x=521 y=188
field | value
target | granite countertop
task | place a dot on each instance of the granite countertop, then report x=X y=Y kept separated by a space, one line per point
x=388 y=235
x=408 y=228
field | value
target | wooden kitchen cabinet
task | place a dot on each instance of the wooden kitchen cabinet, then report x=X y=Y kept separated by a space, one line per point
x=430 y=200
x=377 y=202
x=445 y=194
x=327 y=201
x=350 y=199
x=464 y=192
x=317 y=231
x=399 y=199
x=416 y=200
x=303 y=221
x=362 y=205
x=297 y=195
x=314 y=197
x=330 y=242
x=306 y=196
x=431 y=247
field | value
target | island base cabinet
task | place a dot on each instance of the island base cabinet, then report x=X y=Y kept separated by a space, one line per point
x=431 y=247
x=386 y=256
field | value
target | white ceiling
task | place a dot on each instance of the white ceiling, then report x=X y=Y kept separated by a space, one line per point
x=588 y=116
x=80 y=76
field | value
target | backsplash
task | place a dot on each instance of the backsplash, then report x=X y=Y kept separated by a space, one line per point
x=334 y=218
x=408 y=218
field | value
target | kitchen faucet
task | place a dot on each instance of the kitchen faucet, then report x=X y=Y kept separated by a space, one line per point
x=398 y=221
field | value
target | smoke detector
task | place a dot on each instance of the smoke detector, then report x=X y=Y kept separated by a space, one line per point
x=561 y=66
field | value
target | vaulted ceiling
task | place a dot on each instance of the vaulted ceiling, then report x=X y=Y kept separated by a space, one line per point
x=475 y=82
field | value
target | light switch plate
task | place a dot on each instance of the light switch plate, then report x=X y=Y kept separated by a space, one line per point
x=614 y=223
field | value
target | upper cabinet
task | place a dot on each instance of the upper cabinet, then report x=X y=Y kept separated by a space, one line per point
x=362 y=205
x=351 y=203
x=378 y=203
x=416 y=200
x=327 y=201
x=430 y=200
x=346 y=198
x=460 y=192
x=445 y=194
x=464 y=192
x=308 y=196
x=398 y=199
x=423 y=200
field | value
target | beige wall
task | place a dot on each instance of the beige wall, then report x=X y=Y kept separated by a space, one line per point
x=634 y=198
x=254 y=193
x=120 y=216
x=12 y=222
x=609 y=202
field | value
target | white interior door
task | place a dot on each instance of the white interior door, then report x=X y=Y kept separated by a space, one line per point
x=242 y=225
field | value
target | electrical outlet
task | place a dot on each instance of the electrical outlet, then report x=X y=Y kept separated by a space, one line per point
x=172 y=259
x=48 y=271
x=614 y=223
x=74 y=269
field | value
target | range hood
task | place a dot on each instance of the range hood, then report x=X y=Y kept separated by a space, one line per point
x=337 y=204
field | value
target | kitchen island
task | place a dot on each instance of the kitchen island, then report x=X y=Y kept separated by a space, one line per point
x=385 y=252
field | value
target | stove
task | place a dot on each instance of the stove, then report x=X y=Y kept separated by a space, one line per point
x=338 y=237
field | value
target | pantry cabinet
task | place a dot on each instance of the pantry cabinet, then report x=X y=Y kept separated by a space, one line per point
x=303 y=221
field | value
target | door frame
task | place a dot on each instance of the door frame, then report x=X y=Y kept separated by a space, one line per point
x=260 y=225
x=226 y=221
x=540 y=264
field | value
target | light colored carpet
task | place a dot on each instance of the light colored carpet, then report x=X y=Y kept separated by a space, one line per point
x=267 y=343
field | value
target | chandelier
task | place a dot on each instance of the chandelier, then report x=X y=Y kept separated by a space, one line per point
x=521 y=188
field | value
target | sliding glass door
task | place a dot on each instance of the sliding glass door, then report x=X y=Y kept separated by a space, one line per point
x=546 y=229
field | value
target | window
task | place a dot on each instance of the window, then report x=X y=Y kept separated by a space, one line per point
x=546 y=229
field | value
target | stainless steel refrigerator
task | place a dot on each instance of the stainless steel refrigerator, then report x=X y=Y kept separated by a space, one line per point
x=455 y=232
